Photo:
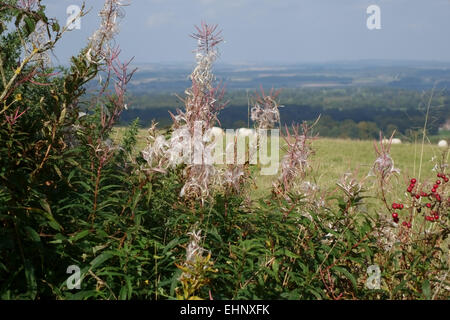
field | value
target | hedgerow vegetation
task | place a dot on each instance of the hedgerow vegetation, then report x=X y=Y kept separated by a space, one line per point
x=141 y=225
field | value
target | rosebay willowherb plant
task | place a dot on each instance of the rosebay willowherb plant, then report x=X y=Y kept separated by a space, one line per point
x=101 y=42
x=55 y=154
x=202 y=104
x=195 y=269
x=265 y=111
x=295 y=162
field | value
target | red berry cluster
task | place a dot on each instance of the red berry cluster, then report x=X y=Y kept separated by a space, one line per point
x=396 y=206
x=441 y=175
x=434 y=214
x=406 y=224
x=411 y=185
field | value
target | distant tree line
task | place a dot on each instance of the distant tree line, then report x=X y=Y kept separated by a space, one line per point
x=328 y=98
x=357 y=113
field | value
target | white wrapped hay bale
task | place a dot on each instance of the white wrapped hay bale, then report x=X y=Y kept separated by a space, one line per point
x=443 y=144
x=245 y=132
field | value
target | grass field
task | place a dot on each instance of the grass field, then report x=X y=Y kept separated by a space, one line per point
x=334 y=157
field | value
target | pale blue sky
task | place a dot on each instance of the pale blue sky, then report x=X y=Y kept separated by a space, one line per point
x=279 y=31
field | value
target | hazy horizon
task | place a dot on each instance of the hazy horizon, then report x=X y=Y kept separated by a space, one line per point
x=362 y=62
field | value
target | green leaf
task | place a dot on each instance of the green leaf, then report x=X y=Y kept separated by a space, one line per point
x=290 y=254
x=316 y=294
x=426 y=289
x=47 y=213
x=45 y=206
x=79 y=235
x=171 y=244
x=174 y=282
x=275 y=266
x=32 y=234
x=58 y=172
x=2 y=266
x=30 y=24
x=130 y=288
x=53 y=223
x=31 y=279
x=62 y=116
x=101 y=258
x=56 y=27
x=347 y=274
x=18 y=19
x=83 y=295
